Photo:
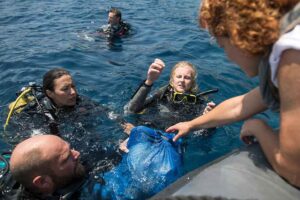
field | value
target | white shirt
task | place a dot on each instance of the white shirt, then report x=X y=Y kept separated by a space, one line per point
x=290 y=40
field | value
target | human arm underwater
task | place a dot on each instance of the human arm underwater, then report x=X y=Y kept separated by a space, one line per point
x=283 y=150
x=138 y=101
x=231 y=110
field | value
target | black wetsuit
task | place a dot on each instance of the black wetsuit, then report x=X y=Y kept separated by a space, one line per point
x=159 y=110
x=115 y=31
x=77 y=190
x=86 y=126
x=43 y=115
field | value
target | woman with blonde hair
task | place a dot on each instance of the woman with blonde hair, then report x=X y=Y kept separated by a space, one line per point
x=181 y=97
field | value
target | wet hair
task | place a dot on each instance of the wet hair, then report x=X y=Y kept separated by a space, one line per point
x=250 y=25
x=32 y=163
x=50 y=76
x=194 y=87
x=117 y=12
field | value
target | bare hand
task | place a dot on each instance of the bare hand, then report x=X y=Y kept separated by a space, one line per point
x=183 y=129
x=209 y=106
x=154 y=71
x=123 y=146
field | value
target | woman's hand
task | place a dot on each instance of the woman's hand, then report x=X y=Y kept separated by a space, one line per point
x=183 y=129
x=251 y=128
x=209 y=106
x=154 y=71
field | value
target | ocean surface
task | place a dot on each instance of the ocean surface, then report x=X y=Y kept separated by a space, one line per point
x=36 y=36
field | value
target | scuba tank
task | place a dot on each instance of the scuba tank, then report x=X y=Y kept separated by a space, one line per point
x=25 y=97
x=30 y=96
x=9 y=188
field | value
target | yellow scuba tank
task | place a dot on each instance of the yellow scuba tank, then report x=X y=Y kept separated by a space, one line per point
x=19 y=104
x=26 y=96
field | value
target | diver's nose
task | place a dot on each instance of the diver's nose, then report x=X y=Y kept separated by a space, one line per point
x=73 y=91
x=75 y=154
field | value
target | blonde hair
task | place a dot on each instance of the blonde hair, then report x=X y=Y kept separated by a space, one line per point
x=194 y=86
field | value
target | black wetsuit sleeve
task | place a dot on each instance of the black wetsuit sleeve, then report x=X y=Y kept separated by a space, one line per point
x=125 y=28
x=138 y=100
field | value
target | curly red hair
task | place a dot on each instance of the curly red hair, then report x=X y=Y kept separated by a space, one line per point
x=251 y=25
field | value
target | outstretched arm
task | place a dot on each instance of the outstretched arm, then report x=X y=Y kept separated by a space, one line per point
x=232 y=110
x=283 y=150
x=137 y=102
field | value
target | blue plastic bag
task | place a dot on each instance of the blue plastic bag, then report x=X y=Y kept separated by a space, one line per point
x=154 y=161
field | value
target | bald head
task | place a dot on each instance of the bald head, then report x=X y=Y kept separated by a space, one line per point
x=45 y=163
x=33 y=144
x=30 y=158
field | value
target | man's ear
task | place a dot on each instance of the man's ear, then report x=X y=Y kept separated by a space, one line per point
x=43 y=183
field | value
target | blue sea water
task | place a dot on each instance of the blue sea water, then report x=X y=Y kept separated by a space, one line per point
x=36 y=36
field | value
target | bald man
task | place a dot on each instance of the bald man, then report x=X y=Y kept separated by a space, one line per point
x=45 y=164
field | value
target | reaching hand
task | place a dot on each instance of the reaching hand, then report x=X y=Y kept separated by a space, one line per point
x=183 y=129
x=154 y=71
x=209 y=106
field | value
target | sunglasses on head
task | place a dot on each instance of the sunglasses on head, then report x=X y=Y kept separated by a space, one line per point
x=179 y=97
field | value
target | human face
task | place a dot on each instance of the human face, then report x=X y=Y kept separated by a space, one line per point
x=64 y=92
x=247 y=62
x=66 y=166
x=182 y=79
x=113 y=19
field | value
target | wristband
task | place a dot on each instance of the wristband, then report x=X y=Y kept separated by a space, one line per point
x=144 y=84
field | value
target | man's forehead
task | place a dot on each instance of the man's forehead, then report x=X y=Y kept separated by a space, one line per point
x=111 y=14
x=64 y=153
x=55 y=148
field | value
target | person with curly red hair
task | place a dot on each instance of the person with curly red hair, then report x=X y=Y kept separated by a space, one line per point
x=263 y=38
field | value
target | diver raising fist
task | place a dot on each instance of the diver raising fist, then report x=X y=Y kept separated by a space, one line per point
x=154 y=71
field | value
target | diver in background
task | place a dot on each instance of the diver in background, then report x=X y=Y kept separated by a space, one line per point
x=177 y=101
x=116 y=27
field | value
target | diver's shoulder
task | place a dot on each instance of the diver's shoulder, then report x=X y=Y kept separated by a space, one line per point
x=125 y=24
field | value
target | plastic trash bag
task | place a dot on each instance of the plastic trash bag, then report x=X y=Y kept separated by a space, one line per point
x=154 y=161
